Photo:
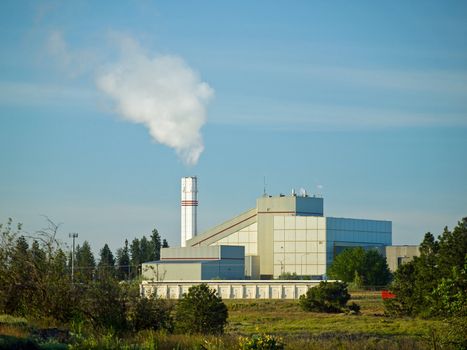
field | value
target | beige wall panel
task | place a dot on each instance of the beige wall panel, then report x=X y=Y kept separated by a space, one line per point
x=290 y=235
x=311 y=222
x=321 y=235
x=312 y=246
x=300 y=222
x=279 y=235
x=289 y=247
x=312 y=259
x=278 y=222
x=265 y=243
x=164 y=272
x=254 y=249
x=289 y=223
x=233 y=238
x=321 y=247
x=278 y=247
x=243 y=236
x=300 y=247
x=321 y=223
x=253 y=237
x=321 y=258
x=289 y=259
x=300 y=235
x=278 y=259
x=321 y=269
x=311 y=235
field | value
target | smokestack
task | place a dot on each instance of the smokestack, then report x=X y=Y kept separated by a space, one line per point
x=189 y=208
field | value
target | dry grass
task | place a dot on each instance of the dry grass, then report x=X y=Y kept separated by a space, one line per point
x=13 y=331
x=306 y=330
x=299 y=329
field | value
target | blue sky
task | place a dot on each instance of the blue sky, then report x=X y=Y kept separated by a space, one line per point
x=361 y=102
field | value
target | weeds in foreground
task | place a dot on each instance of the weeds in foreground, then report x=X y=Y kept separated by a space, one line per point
x=298 y=330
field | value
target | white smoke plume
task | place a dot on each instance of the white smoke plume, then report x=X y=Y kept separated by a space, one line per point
x=161 y=92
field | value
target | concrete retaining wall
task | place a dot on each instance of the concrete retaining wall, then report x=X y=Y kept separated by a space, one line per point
x=246 y=289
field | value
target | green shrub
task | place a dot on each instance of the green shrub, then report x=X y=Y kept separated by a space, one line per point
x=329 y=297
x=104 y=304
x=261 y=342
x=289 y=276
x=152 y=313
x=12 y=320
x=9 y=342
x=201 y=311
x=354 y=308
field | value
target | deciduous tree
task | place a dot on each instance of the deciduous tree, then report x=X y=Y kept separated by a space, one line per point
x=367 y=266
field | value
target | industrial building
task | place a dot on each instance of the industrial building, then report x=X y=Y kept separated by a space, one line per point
x=203 y=263
x=397 y=255
x=290 y=234
x=281 y=234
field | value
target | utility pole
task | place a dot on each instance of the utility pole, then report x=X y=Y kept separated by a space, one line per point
x=73 y=236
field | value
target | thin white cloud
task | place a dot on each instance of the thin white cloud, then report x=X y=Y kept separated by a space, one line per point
x=446 y=82
x=73 y=61
x=136 y=85
x=443 y=81
x=318 y=117
x=33 y=94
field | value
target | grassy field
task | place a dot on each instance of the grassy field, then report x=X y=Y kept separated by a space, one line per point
x=298 y=329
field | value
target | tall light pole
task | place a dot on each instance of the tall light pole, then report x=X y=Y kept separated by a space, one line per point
x=73 y=236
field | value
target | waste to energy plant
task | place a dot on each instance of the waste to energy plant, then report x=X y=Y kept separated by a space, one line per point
x=284 y=234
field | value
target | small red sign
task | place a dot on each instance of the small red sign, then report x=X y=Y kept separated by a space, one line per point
x=385 y=294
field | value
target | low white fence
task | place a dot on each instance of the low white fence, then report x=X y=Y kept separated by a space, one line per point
x=234 y=289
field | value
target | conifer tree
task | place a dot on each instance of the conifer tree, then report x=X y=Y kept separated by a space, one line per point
x=156 y=245
x=85 y=263
x=123 y=262
x=106 y=261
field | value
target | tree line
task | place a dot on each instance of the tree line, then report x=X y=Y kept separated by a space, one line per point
x=125 y=264
x=35 y=279
x=435 y=283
